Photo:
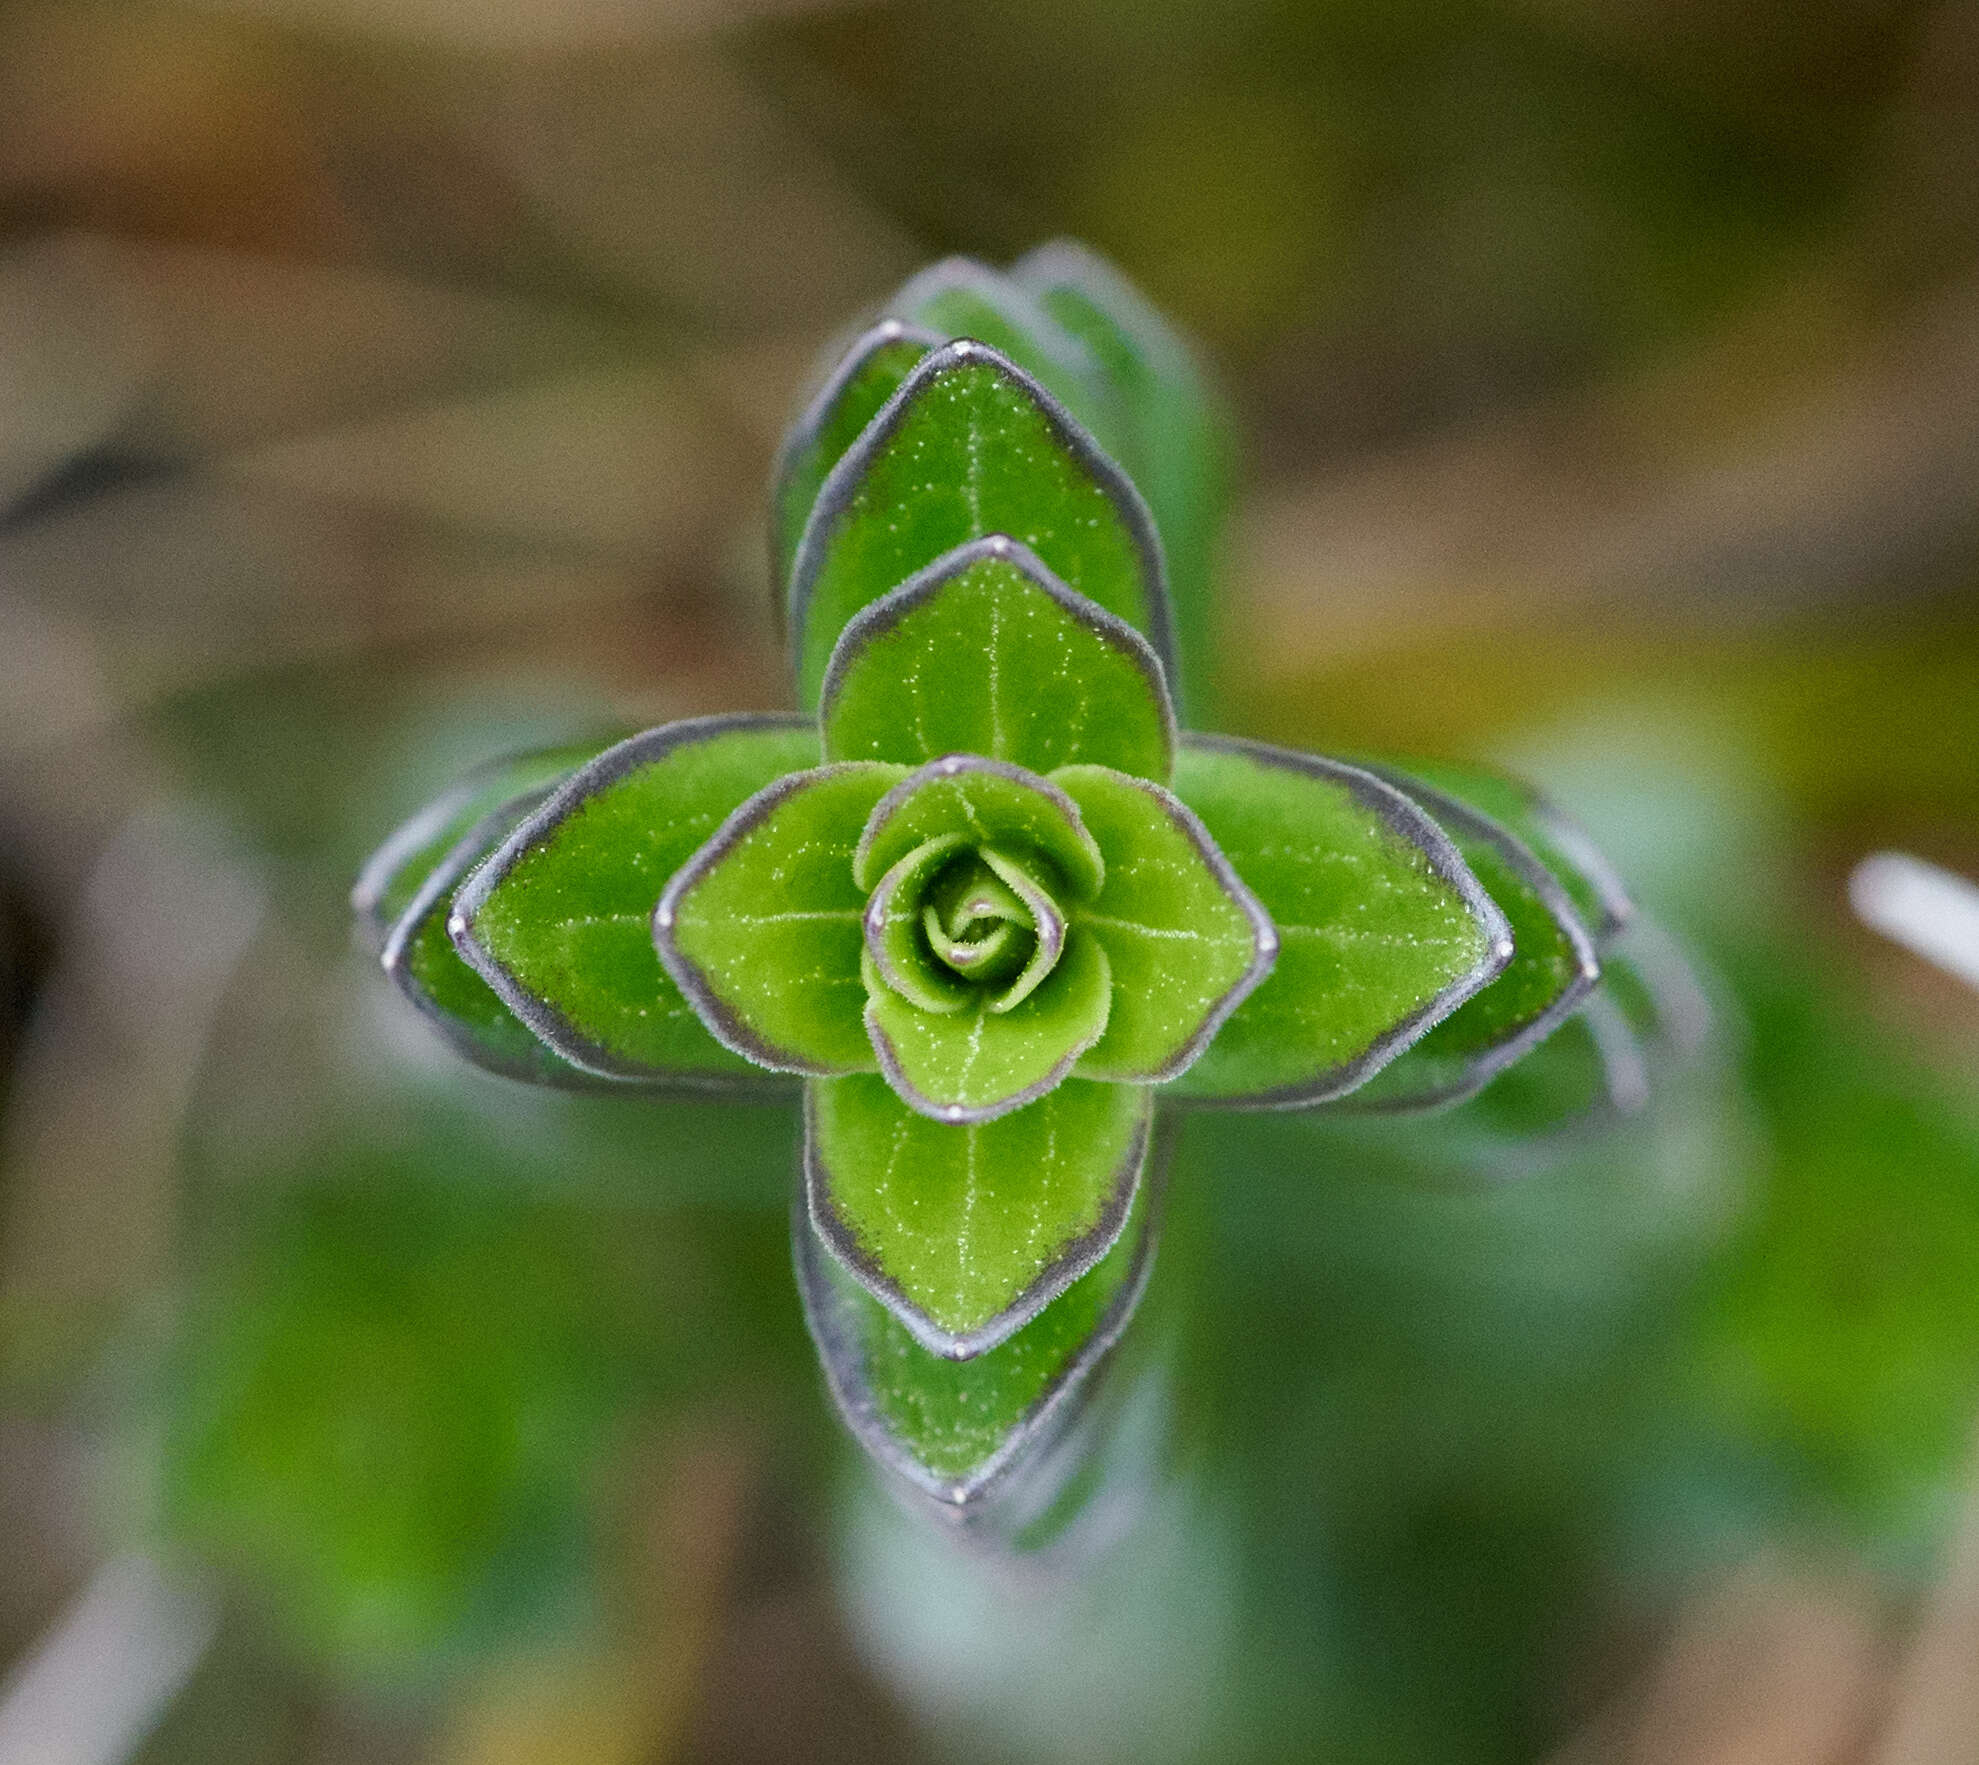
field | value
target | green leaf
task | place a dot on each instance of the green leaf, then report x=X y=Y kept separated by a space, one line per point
x=982 y=1062
x=763 y=928
x=1553 y=968
x=864 y=379
x=960 y=298
x=966 y=1233
x=559 y=920
x=1175 y=432
x=1653 y=985
x=984 y=801
x=1589 y=1071
x=1186 y=939
x=986 y=652
x=968 y=447
x=1551 y=835
x=400 y=867
x=956 y=1429
x=425 y=966
x=1382 y=929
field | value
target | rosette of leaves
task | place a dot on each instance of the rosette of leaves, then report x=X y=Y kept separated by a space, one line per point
x=981 y=899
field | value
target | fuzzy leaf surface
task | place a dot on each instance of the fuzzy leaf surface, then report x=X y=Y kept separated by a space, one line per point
x=966 y=1233
x=1186 y=939
x=867 y=375
x=1552 y=969
x=986 y=652
x=981 y=1062
x=1174 y=438
x=983 y=801
x=953 y=1428
x=468 y=1014
x=398 y=870
x=968 y=447
x=1382 y=928
x=1551 y=835
x=961 y=298
x=559 y=920
x=763 y=928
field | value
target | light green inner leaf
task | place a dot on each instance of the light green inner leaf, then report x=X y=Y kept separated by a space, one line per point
x=988 y=1058
x=1186 y=940
x=895 y=929
x=868 y=375
x=764 y=928
x=965 y=451
x=985 y=801
x=560 y=920
x=966 y=1232
x=987 y=653
x=1381 y=927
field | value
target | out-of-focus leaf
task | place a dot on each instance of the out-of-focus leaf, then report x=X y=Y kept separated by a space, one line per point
x=1552 y=969
x=1547 y=831
x=967 y=1232
x=865 y=378
x=961 y=298
x=400 y=867
x=559 y=921
x=1186 y=939
x=1174 y=434
x=763 y=928
x=1382 y=929
x=986 y=652
x=421 y=959
x=954 y=1428
x=968 y=447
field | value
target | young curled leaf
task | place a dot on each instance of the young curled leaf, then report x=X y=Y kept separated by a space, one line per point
x=971 y=446
x=1553 y=968
x=967 y=1232
x=1382 y=929
x=957 y=1430
x=558 y=921
x=987 y=652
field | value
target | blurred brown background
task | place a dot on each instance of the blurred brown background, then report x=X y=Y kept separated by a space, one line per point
x=383 y=382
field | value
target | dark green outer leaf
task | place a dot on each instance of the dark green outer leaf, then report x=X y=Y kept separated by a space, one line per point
x=559 y=919
x=961 y=298
x=394 y=873
x=1383 y=930
x=956 y=1429
x=1553 y=969
x=1552 y=836
x=986 y=652
x=867 y=375
x=1584 y=1076
x=970 y=446
x=469 y=1016
x=1175 y=441
x=966 y=1233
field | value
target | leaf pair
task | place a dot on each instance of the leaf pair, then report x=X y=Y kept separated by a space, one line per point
x=1032 y=405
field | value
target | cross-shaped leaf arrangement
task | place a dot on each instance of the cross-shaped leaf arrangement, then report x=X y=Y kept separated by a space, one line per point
x=983 y=899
